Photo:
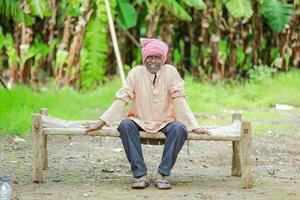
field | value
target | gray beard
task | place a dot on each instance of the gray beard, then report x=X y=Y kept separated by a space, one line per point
x=153 y=68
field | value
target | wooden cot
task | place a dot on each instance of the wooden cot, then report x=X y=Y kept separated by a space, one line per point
x=239 y=132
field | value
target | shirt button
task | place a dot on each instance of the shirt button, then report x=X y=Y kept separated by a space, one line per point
x=156 y=100
x=155 y=92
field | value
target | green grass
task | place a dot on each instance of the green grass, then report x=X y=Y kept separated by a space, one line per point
x=71 y=176
x=283 y=88
x=18 y=105
x=255 y=99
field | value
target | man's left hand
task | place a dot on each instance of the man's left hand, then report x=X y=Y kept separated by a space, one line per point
x=200 y=131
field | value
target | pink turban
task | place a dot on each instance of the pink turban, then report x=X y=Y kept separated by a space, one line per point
x=154 y=47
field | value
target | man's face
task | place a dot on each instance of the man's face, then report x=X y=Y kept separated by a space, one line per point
x=153 y=63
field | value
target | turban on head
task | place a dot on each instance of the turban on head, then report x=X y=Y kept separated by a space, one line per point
x=154 y=47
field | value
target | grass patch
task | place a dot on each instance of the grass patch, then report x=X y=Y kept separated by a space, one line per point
x=208 y=98
x=19 y=104
x=220 y=99
x=71 y=176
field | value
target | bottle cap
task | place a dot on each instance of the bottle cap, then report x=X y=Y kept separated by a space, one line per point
x=5 y=180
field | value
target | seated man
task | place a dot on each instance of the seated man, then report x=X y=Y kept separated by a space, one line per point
x=158 y=104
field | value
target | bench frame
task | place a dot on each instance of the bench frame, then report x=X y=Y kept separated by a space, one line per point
x=241 y=146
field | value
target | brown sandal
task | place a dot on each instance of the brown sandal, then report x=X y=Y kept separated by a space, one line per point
x=140 y=183
x=162 y=184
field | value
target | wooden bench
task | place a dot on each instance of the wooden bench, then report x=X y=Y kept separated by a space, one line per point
x=239 y=132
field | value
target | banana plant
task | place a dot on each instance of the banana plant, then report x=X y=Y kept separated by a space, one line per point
x=60 y=61
x=175 y=8
x=178 y=9
x=127 y=15
x=37 y=51
x=239 y=8
x=39 y=8
x=2 y=38
x=13 y=58
x=95 y=53
x=277 y=13
x=12 y=9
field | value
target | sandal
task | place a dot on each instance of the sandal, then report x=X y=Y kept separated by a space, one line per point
x=140 y=183
x=162 y=184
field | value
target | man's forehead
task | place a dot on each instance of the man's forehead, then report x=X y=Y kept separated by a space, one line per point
x=154 y=56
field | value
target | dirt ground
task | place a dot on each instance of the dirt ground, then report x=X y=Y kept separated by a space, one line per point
x=95 y=168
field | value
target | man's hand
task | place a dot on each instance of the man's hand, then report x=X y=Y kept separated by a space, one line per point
x=93 y=127
x=200 y=131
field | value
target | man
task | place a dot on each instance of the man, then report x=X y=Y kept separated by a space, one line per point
x=158 y=104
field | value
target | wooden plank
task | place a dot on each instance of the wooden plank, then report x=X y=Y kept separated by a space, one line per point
x=37 y=145
x=159 y=135
x=56 y=121
x=246 y=162
x=236 y=158
x=52 y=122
x=44 y=112
x=55 y=126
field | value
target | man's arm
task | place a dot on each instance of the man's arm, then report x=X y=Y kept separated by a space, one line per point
x=185 y=115
x=182 y=110
x=116 y=110
x=93 y=127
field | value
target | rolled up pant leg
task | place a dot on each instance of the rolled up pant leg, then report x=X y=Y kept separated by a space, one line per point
x=129 y=132
x=176 y=134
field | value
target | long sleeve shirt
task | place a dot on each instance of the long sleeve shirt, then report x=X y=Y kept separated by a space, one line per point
x=157 y=99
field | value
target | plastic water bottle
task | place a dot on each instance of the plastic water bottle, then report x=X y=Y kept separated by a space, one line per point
x=5 y=190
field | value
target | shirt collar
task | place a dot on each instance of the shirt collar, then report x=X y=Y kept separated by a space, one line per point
x=151 y=76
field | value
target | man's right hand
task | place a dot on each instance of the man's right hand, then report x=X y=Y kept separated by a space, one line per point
x=93 y=127
x=200 y=131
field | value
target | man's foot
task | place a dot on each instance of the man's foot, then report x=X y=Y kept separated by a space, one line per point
x=140 y=183
x=161 y=183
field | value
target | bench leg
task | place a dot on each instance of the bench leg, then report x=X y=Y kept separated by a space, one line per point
x=236 y=159
x=37 y=139
x=246 y=162
x=45 y=152
x=236 y=156
x=44 y=111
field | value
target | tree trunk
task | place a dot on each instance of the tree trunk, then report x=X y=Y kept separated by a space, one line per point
x=233 y=39
x=215 y=39
x=14 y=73
x=166 y=33
x=284 y=42
x=257 y=30
x=51 y=28
x=152 y=25
x=232 y=56
x=76 y=44
x=204 y=39
x=295 y=39
x=26 y=39
x=68 y=26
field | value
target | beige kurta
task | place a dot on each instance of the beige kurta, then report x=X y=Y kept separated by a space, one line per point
x=154 y=104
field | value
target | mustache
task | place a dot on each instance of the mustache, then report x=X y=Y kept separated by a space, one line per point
x=154 y=64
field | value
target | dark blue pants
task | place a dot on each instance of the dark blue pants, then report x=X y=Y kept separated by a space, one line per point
x=176 y=134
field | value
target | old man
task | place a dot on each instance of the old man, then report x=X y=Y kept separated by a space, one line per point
x=158 y=104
